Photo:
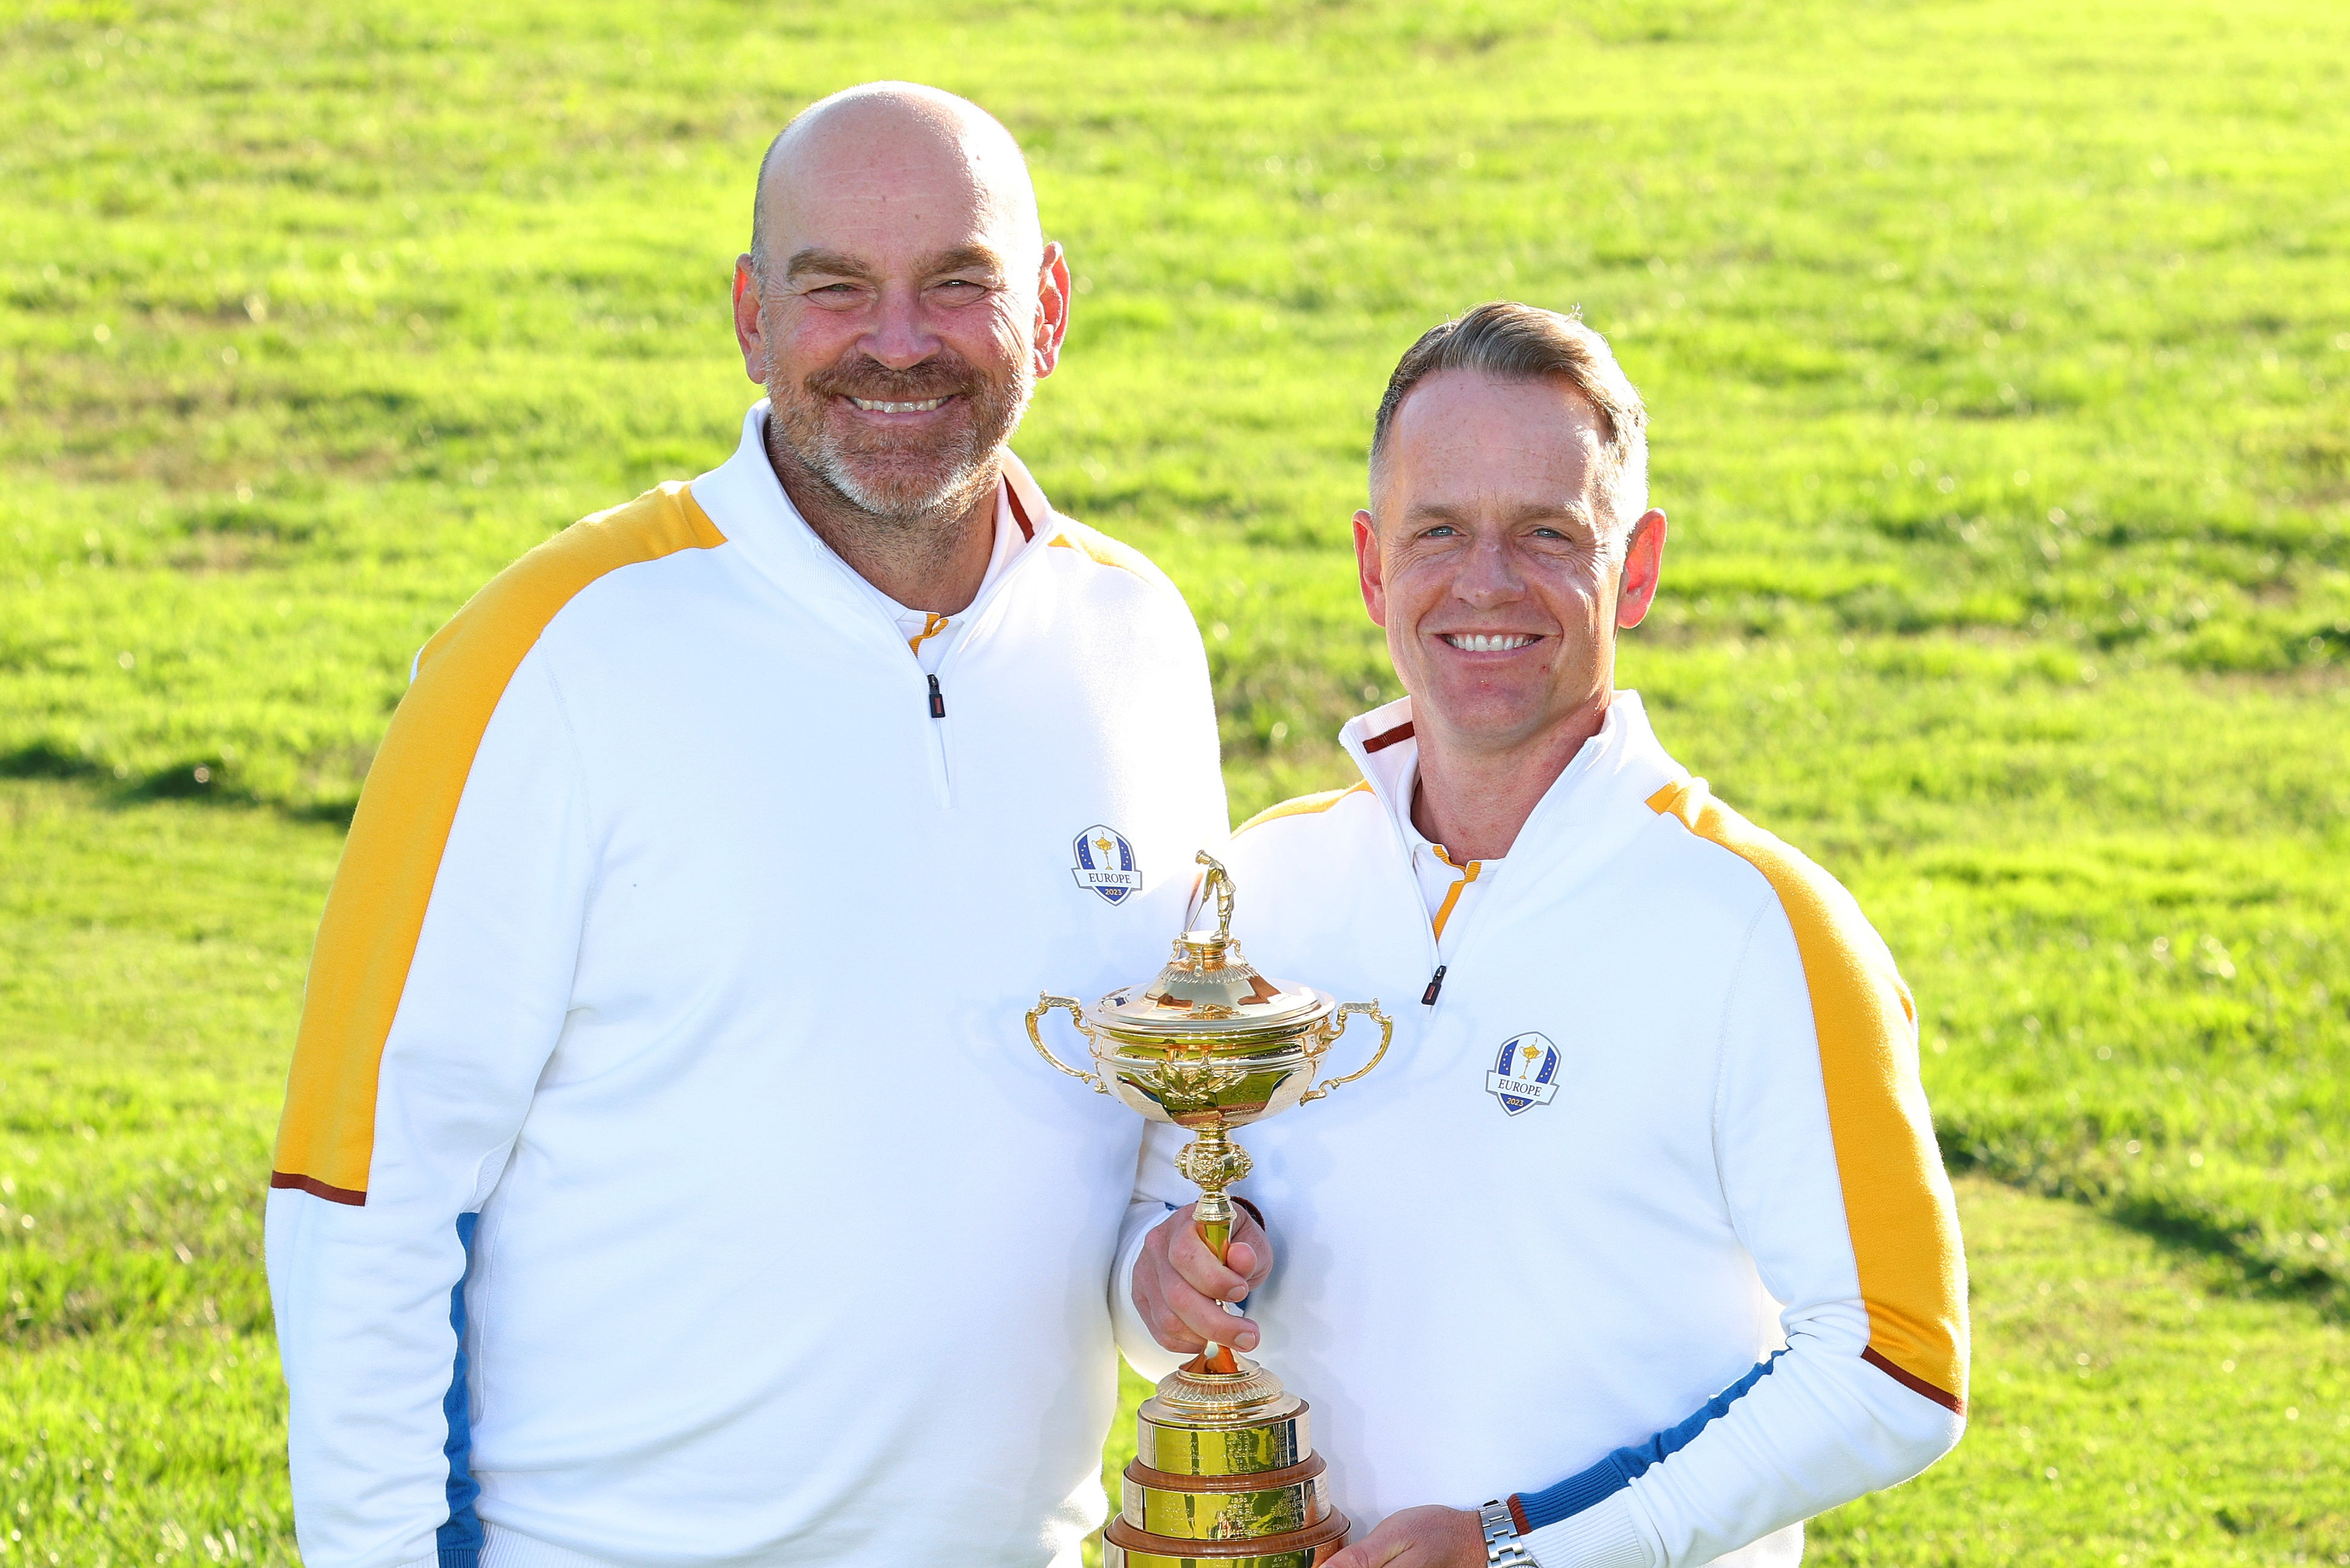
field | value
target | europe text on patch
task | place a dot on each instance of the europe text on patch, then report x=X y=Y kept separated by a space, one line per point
x=1524 y=1073
x=1106 y=864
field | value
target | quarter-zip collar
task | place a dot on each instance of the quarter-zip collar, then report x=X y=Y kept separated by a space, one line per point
x=1590 y=811
x=748 y=504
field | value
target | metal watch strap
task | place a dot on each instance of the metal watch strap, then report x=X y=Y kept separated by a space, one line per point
x=1505 y=1547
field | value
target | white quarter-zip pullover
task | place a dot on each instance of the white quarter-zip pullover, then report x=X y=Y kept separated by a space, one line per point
x=664 y=1165
x=1640 y=1224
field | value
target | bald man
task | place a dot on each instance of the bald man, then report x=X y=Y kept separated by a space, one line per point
x=661 y=1112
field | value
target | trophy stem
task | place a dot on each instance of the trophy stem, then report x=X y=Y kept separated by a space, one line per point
x=1214 y=1217
x=1213 y=1161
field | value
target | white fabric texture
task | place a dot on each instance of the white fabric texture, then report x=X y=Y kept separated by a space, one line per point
x=505 y=1549
x=1608 y=1534
x=1615 y=1533
x=1478 y=1301
x=716 y=1020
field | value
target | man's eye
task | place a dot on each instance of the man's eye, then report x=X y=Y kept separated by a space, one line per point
x=963 y=286
x=1441 y=531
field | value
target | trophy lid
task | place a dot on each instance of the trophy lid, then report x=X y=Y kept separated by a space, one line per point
x=1207 y=988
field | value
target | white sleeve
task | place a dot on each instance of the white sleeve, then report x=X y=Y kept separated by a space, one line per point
x=1159 y=1192
x=1826 y=1189
x=421 y=1042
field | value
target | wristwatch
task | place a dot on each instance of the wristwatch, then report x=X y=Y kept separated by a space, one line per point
x=1505 y=1547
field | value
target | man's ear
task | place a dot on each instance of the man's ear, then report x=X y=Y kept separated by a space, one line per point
x=1644 y=565
x=1373 y=570
x=750 y=329
x=1052 y=310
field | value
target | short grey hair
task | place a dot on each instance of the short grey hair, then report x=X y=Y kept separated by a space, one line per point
x=1526 y=343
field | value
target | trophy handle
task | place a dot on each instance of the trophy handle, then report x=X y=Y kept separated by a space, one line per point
x=1045 y=1003
x=1337 y=1026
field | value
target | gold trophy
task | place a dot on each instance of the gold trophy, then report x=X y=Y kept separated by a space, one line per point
x=1225 y=1475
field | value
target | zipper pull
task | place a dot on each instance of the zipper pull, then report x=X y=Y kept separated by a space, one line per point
x=1435 y=984
x=938 y=700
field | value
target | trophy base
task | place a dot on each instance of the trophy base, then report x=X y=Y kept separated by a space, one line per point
x=1123 y=1546
x=1224 y=1476
x=1224 y=1508
x=1193 y=1395
x=1203 y=1423
x=1180 y=1448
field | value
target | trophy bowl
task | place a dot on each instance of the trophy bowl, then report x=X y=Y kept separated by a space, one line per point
x=1225 y=1472
x=1191 y=1091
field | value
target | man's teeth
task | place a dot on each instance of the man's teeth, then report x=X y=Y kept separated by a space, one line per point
x=870 y=407
x=1476 y=642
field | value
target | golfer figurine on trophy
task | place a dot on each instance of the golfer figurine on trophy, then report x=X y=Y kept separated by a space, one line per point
x=1225 y=1475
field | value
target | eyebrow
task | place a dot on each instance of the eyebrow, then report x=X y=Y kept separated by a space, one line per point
x=833 y=263
x=812 y=260
x=1439 y=512
x=967 y=258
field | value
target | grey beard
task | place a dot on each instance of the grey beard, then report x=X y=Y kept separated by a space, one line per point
x=950 y=497
x=815 y=453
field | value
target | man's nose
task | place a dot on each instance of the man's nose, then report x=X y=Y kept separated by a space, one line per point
x=900 y=338
x=1489 y=575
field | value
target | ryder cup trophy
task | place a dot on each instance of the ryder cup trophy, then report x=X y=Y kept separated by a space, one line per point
x=1225 y=1475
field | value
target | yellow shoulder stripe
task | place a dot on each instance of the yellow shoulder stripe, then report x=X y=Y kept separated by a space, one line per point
x=1303 y=805
x=1896 y=1197
x=1075 y=535
x=375 y=910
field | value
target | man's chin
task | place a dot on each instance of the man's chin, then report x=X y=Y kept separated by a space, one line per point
x=902 y=490
x=906 y=473
x=1491 y=715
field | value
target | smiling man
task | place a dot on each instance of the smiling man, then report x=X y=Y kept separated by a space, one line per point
x=1638 y=1252
x=663 y=1178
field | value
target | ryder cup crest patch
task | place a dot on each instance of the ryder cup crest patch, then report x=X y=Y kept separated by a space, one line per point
x=1524 y=1073
x=1106 y=864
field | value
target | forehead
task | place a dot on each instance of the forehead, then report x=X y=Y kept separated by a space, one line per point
x=893 y=192
x=1467 y=430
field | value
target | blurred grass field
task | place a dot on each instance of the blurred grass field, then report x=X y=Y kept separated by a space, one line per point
x=1999 y=361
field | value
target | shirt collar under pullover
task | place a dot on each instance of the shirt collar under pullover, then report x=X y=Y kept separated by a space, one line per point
x=929 y=634
x=1580 y=819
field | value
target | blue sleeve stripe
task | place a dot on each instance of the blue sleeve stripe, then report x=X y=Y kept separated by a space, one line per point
x=460 y=1540
x=1620 y=1469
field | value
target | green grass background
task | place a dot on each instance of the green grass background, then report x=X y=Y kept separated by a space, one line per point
x=2000 y=362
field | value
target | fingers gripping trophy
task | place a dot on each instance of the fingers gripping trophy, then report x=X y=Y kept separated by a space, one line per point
x=1225 y=1475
